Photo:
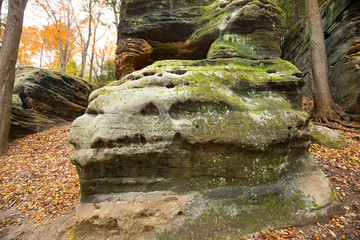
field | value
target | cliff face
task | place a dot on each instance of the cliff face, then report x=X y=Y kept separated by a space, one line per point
x=341 y=25
x=212 y=136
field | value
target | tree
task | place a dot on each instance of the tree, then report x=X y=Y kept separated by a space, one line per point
x=29 y=46
x=85 y=43
x=96 y=19
x=62 y=16
x=105 y=64
x=60 y=41
x=325 y=108
x=115 y=7
x=43 y=45
x=8 y=56
x=106 y=73
x=294 y=10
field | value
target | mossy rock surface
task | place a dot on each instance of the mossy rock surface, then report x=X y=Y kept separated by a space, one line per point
x=227 y=135
x=42 y=99
x=327 y=137
x=196 y=30
x=203 y=137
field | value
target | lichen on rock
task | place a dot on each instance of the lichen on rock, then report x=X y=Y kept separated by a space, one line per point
x=196 y=148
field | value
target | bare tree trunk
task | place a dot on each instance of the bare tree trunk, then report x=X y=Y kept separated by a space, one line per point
x=115 y=6
x=63 y=17
x=296 y=9
x=8 y=56
x=92 y=56
x=325 y=108
x=87 y=43
x=62 y=57
x=92 y=59
x=83 y=62
x=43 y=44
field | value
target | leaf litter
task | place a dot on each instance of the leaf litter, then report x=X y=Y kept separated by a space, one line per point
x=38 y=182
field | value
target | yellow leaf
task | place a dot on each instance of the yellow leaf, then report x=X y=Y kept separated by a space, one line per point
x=332 y=233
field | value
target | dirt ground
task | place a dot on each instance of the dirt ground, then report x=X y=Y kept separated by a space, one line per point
x=56 y=229
x=38 y=199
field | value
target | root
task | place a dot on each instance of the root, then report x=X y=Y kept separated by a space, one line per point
x=341 y=112
x=355 y=117
x=335 y=127
x=333 y=114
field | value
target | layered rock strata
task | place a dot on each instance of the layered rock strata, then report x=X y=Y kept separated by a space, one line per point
x=212 y=148
x=42 y=99
x=341 y=24
x=193 y=30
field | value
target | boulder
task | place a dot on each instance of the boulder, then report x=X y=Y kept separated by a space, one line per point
x=327 y=137
x=42 y=99
x=341 y=24
x=212 y=148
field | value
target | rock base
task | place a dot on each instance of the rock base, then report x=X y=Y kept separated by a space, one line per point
x=218 y=213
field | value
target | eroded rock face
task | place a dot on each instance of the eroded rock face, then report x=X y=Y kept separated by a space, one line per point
x=342 y=38
x=196 y=30
x=42 y=99
x=198 y=149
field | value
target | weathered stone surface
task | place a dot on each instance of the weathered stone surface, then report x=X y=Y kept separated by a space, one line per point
x=228 y=131
x=327 y=137
x=199 y=149
x=188 y=115
x=341 y=24
x=42 y=99
x=188 y=29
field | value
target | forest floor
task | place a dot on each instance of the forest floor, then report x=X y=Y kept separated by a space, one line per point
x=38 y=197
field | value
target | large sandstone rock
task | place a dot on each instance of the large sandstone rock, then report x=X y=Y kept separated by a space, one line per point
x=341 y=24
x=196 y=30
x=213 y=148
x=43 y=99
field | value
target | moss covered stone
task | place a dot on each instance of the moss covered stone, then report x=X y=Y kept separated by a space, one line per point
x=198 y=146
x=327 y=137
x=229 y=130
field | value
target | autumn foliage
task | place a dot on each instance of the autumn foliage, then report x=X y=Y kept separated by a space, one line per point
x=45 y=43
x=30 y=45
x=63 y=42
